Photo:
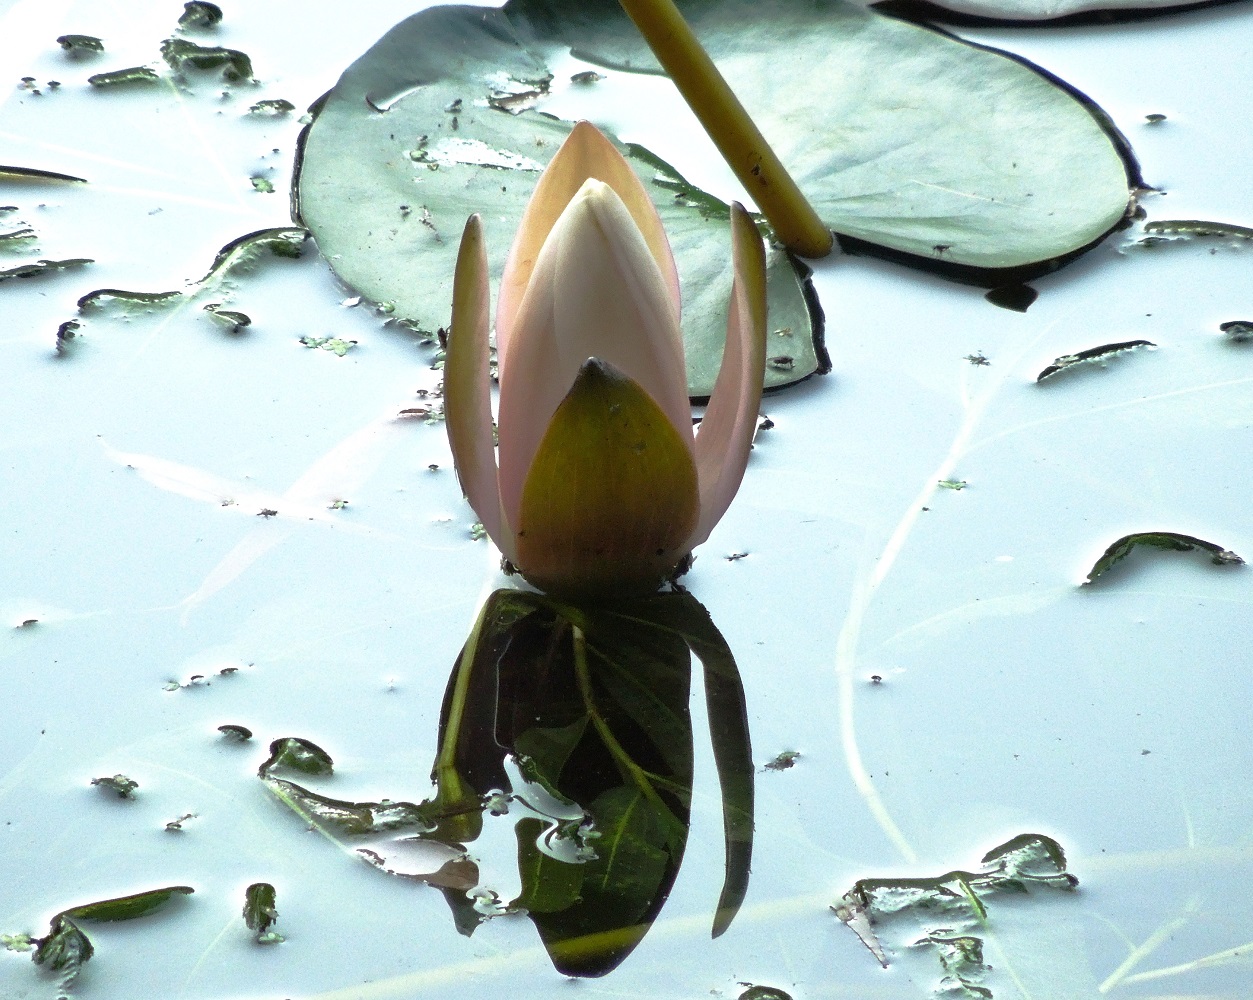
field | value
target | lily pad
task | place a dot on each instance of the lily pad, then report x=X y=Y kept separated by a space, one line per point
x=963 y=158
x=439 y=120
x=388 y=176
x=1032 y=11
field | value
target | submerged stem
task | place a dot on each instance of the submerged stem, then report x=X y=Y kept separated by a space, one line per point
x=795 y=222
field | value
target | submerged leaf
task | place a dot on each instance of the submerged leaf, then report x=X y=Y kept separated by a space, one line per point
x=1091 y=354
x=1167 y=541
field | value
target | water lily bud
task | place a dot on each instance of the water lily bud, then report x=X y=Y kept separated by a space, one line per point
x=602 y=488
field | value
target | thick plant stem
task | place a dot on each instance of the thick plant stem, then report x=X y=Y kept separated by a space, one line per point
x=796 y=224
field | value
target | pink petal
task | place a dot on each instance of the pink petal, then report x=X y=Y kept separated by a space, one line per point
x=595 y=292
x=467 y=387
x=585 y=154
x=726 y=432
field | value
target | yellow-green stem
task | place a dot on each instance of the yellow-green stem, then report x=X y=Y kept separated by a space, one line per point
x=795 y=223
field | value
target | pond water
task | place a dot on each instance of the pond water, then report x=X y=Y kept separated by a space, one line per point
x=211 y=524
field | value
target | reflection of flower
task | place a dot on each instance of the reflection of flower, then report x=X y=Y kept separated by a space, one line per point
x=602 y=485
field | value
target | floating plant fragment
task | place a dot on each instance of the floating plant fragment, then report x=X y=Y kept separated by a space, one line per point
x=783 y=761
x=272 y=106
x=262 y=185
x=235 y=732
x=9 y=172
x=179 y=53
x=66 y=947
x=1166 y=541
x=42 y=267
x=1238 y=331
x=198 y=14
x=352 y=818
x=1091 y=354
x=1181 y=230
x=231 y=318
x=10 y=240
x=260 y=911
x=335 y=345
x=298 y=755
x=98 y=297
x=132 y=74
x=948 y=915
x=77 y=45
x=283 y=241
x=119 y=783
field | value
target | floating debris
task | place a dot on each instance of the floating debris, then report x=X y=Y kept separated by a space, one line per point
x=1155 y=118
x=119 y=77
x=262 y=184
x=238 y=734
x=1168 y=541
x=41 y=267
x=952 y=484
x=1091 y=354
x=176 y=825
x=97 y=297
x=783 y=761
x=335 y=345
x=77 y=45
x=586 y=77
x=978 y=359
x=272 y=106
x=119 y=783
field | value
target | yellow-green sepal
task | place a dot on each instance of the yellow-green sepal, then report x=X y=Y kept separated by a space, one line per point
x=611 y=498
